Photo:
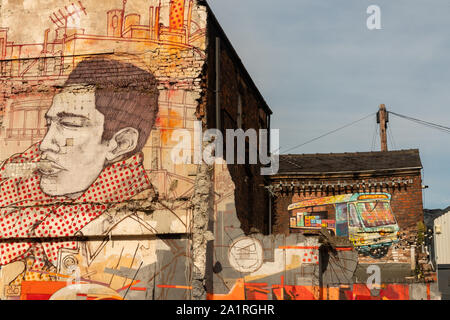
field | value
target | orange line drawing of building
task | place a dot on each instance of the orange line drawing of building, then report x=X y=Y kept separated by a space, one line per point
x=124 y=33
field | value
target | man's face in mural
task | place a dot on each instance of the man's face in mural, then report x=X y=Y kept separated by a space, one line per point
x=72 y=145
x=96 y=120
x=73 y=149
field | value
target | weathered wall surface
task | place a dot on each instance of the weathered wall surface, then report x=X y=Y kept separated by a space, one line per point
x=91 y=204
x=247 y=266
x=241 y=107
x=406 y=204
x=294 y=266
x=406 y=197
x=290 y=265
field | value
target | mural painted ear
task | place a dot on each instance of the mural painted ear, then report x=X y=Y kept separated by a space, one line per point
x=123 y=142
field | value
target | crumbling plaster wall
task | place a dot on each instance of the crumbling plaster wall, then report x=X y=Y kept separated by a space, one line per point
x=36 y=63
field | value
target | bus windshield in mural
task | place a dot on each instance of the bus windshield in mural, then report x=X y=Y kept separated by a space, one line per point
x=376 y=214
x=366 y=219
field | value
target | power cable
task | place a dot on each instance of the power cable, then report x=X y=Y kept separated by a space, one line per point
x=389 y=140
x=423 y=122
x=327 y=134
x=375 y=133
x=391 y=134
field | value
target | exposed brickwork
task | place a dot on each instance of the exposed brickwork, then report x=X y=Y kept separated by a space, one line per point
x=280 y=214
x=406 y=200
x=406 y=203
x=251 y=199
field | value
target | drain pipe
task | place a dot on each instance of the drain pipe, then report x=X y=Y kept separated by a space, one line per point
x=218 y=124
x=270 y=214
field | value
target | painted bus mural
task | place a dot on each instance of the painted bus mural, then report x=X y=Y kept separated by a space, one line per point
x=366 y=219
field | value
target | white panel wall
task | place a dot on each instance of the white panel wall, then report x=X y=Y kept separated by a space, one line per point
x=442 y=239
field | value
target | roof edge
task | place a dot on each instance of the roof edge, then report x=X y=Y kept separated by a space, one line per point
x=349 y=153
x=337 y=173
x=348 y=172
x=236 y=55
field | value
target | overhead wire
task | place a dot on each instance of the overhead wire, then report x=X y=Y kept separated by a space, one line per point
x=391 y=135
x=327 y=134
x=375 y=133
x=428 y=124
x=423 y=122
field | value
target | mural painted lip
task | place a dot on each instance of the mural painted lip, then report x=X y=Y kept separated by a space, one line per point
x=49 y=167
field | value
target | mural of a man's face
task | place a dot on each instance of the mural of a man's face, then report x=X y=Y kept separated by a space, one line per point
x=73 y=148
x=95 y=121
x=73 y=144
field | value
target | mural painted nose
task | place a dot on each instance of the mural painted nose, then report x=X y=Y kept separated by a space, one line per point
x=49 y=143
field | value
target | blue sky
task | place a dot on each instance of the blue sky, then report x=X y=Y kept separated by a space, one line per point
x=319 y=68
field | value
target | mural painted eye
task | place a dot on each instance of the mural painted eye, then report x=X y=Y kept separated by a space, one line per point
x=71 y=124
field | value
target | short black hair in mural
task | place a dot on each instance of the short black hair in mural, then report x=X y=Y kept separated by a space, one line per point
x=125 y=94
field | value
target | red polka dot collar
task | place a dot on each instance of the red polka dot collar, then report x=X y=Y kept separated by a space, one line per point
x=27 y=213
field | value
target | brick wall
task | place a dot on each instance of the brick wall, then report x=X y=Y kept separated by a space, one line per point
x=406 y=200
x=406 y=204
x=280 y=213
x=251 y=199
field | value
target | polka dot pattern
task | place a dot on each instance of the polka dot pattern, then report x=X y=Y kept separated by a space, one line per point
x=26 y=212
x=176 y=14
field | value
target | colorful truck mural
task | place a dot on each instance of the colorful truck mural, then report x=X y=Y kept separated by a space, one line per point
x=365 y=218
